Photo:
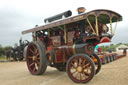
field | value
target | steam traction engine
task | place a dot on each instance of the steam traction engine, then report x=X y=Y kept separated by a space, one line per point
x=17 y=51
x=68 y=44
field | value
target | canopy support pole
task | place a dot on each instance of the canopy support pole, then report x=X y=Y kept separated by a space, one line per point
x=115 y=27
x=60 y=28
x=65 y=34
x=111 y=26
x=91 y=26
x=97 y=31
x=48 y=32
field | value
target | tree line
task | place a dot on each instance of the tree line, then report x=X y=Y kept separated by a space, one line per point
x=4 y=49
x=112 y=47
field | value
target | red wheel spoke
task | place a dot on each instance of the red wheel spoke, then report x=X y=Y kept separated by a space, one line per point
x=34 y=69
x=73 y=64
x=36 y=66
x=87 y=74
x=34 y=47
x=74 y=72
x=36 y=51
x=32 y=51
x=80 y=60
x=37 y=54
x=83 y=62
x=80 y=76
x=76 y=61
x=37 y=62
x=86 y=65
x=31 y=64
x=30 y=57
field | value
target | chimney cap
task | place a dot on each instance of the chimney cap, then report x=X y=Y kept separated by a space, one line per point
x=81 y=10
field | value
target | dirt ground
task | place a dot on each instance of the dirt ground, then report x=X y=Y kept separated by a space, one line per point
x=16 y=73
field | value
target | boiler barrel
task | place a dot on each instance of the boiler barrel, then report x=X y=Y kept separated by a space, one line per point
x=58 y=16
x=84 y=48
x=78 y=48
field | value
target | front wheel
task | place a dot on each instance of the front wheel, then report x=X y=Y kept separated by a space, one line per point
x=80 y=68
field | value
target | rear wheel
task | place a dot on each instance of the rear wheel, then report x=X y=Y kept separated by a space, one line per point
x=80 y=68
x=97 y=62
x=36 y=58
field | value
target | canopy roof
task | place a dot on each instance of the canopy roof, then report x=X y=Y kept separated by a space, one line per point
x=102 y=15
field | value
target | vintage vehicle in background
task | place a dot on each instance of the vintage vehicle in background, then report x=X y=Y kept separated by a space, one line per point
x=68 y=44
x=111 y=56
x=18 y=51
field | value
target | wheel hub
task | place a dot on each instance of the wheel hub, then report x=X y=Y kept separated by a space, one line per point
x=34 y=58
x=79 y=69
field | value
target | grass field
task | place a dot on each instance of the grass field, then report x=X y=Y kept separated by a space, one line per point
x=2 y=58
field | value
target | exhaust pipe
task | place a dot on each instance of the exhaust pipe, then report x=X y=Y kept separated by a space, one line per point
x=58 y=16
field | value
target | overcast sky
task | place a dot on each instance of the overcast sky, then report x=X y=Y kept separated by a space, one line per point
x=19 y=15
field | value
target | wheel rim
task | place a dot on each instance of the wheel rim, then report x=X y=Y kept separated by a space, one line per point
x=33 y=58
x=80 y=70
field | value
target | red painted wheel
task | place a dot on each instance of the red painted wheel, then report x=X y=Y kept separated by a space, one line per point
x=80 y=68
x=97 y=62
x=36 y=58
